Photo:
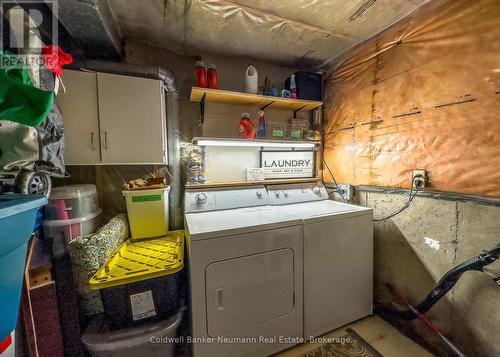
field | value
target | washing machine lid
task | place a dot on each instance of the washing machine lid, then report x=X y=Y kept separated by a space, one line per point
x=205 y=225
x=325 y=209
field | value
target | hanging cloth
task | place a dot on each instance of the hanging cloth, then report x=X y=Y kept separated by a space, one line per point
x=20 y=100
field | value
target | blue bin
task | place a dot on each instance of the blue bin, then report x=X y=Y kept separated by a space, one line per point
x=17 y=219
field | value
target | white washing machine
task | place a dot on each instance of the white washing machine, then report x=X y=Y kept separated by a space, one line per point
x=246 y=273
x=338 y=256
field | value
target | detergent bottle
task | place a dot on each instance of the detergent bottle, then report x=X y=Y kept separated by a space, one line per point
x=212 y=76
x=201 y=74
x=251 y=80
x=246 y=129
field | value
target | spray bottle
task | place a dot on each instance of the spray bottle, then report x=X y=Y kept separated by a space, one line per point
x=262 y=131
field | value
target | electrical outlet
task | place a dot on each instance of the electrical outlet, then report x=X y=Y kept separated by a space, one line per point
x=419 y=178
x=345 y=191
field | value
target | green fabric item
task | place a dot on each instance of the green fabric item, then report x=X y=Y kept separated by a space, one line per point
x=20 y=100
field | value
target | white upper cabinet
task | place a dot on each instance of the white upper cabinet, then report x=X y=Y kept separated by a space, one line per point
x=130 y=117
x=81 y=118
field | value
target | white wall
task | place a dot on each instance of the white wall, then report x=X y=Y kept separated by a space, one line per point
x=230 y=163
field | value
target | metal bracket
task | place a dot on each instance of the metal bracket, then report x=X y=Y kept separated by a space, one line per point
x=268 y=104
x=298 y=110
x=202 y=108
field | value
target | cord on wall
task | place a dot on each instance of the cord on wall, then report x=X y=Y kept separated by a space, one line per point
x=407 y=204
x=337 y=188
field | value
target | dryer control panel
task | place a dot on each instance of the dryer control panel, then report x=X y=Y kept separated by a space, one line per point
x=296 y=193
x=221 y=199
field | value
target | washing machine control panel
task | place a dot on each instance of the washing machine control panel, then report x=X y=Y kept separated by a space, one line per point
x=297 y=193
x=199 y=201
x=221 y=199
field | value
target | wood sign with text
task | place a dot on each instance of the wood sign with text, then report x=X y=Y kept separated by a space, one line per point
x=287 y=164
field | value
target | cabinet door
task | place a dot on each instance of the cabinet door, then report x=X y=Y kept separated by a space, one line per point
x=132 y=120
x=80 y=118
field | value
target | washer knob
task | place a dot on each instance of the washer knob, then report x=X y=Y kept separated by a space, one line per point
x=316 y=190
x=259 y=194
x=285 y=193
x=277 y=194
x=201 y=198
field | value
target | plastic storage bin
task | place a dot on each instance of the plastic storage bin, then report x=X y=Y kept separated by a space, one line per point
x=64 y=231
x=140 y=282
x=73 y=201
x=147 y=212
x=149 y=340
x=17 y=218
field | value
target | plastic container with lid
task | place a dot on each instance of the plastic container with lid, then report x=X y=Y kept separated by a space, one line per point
x=17 y=218
x=141 y=281
x=156 y=339
x=73 y=201
x=64 y=231
x=147 y=212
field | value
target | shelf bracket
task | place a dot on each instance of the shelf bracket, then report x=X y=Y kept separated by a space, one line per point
x=202 y=108
x=298 y=110
x=268 y=104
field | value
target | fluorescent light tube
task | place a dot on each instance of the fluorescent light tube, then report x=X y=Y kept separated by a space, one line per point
x=247 y=143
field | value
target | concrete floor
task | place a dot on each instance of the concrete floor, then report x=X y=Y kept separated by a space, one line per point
x=379 y=334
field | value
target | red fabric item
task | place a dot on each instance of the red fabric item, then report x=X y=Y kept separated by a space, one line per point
x=5 y=343
x=55 y=58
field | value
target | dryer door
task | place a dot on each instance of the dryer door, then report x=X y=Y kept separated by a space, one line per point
x=244 y=292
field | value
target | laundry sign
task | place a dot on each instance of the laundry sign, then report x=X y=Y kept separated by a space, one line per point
x=287 y=164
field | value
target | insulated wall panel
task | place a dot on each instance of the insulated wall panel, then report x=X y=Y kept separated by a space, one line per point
x=423 y=94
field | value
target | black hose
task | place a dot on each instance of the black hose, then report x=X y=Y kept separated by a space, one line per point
x=449 y=280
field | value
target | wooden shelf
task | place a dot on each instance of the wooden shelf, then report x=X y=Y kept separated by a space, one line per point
x=218 y=184
x=207 y=95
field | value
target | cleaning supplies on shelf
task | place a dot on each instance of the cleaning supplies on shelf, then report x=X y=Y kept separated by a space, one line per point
x=262 y=130
x=201 y=74
x=212 y=76
x=251 y=80
x=246 y=129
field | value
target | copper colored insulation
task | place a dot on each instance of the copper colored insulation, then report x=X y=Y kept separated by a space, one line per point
x=423 y=94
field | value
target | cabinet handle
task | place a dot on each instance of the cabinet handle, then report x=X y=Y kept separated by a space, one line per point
x=106 y=140
x=92 y=141
x=220 y=300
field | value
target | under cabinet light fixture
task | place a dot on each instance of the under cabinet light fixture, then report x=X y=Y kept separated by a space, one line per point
x=253 y=143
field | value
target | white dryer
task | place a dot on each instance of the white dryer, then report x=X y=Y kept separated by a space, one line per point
x=338 y=256
x=246 y=273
